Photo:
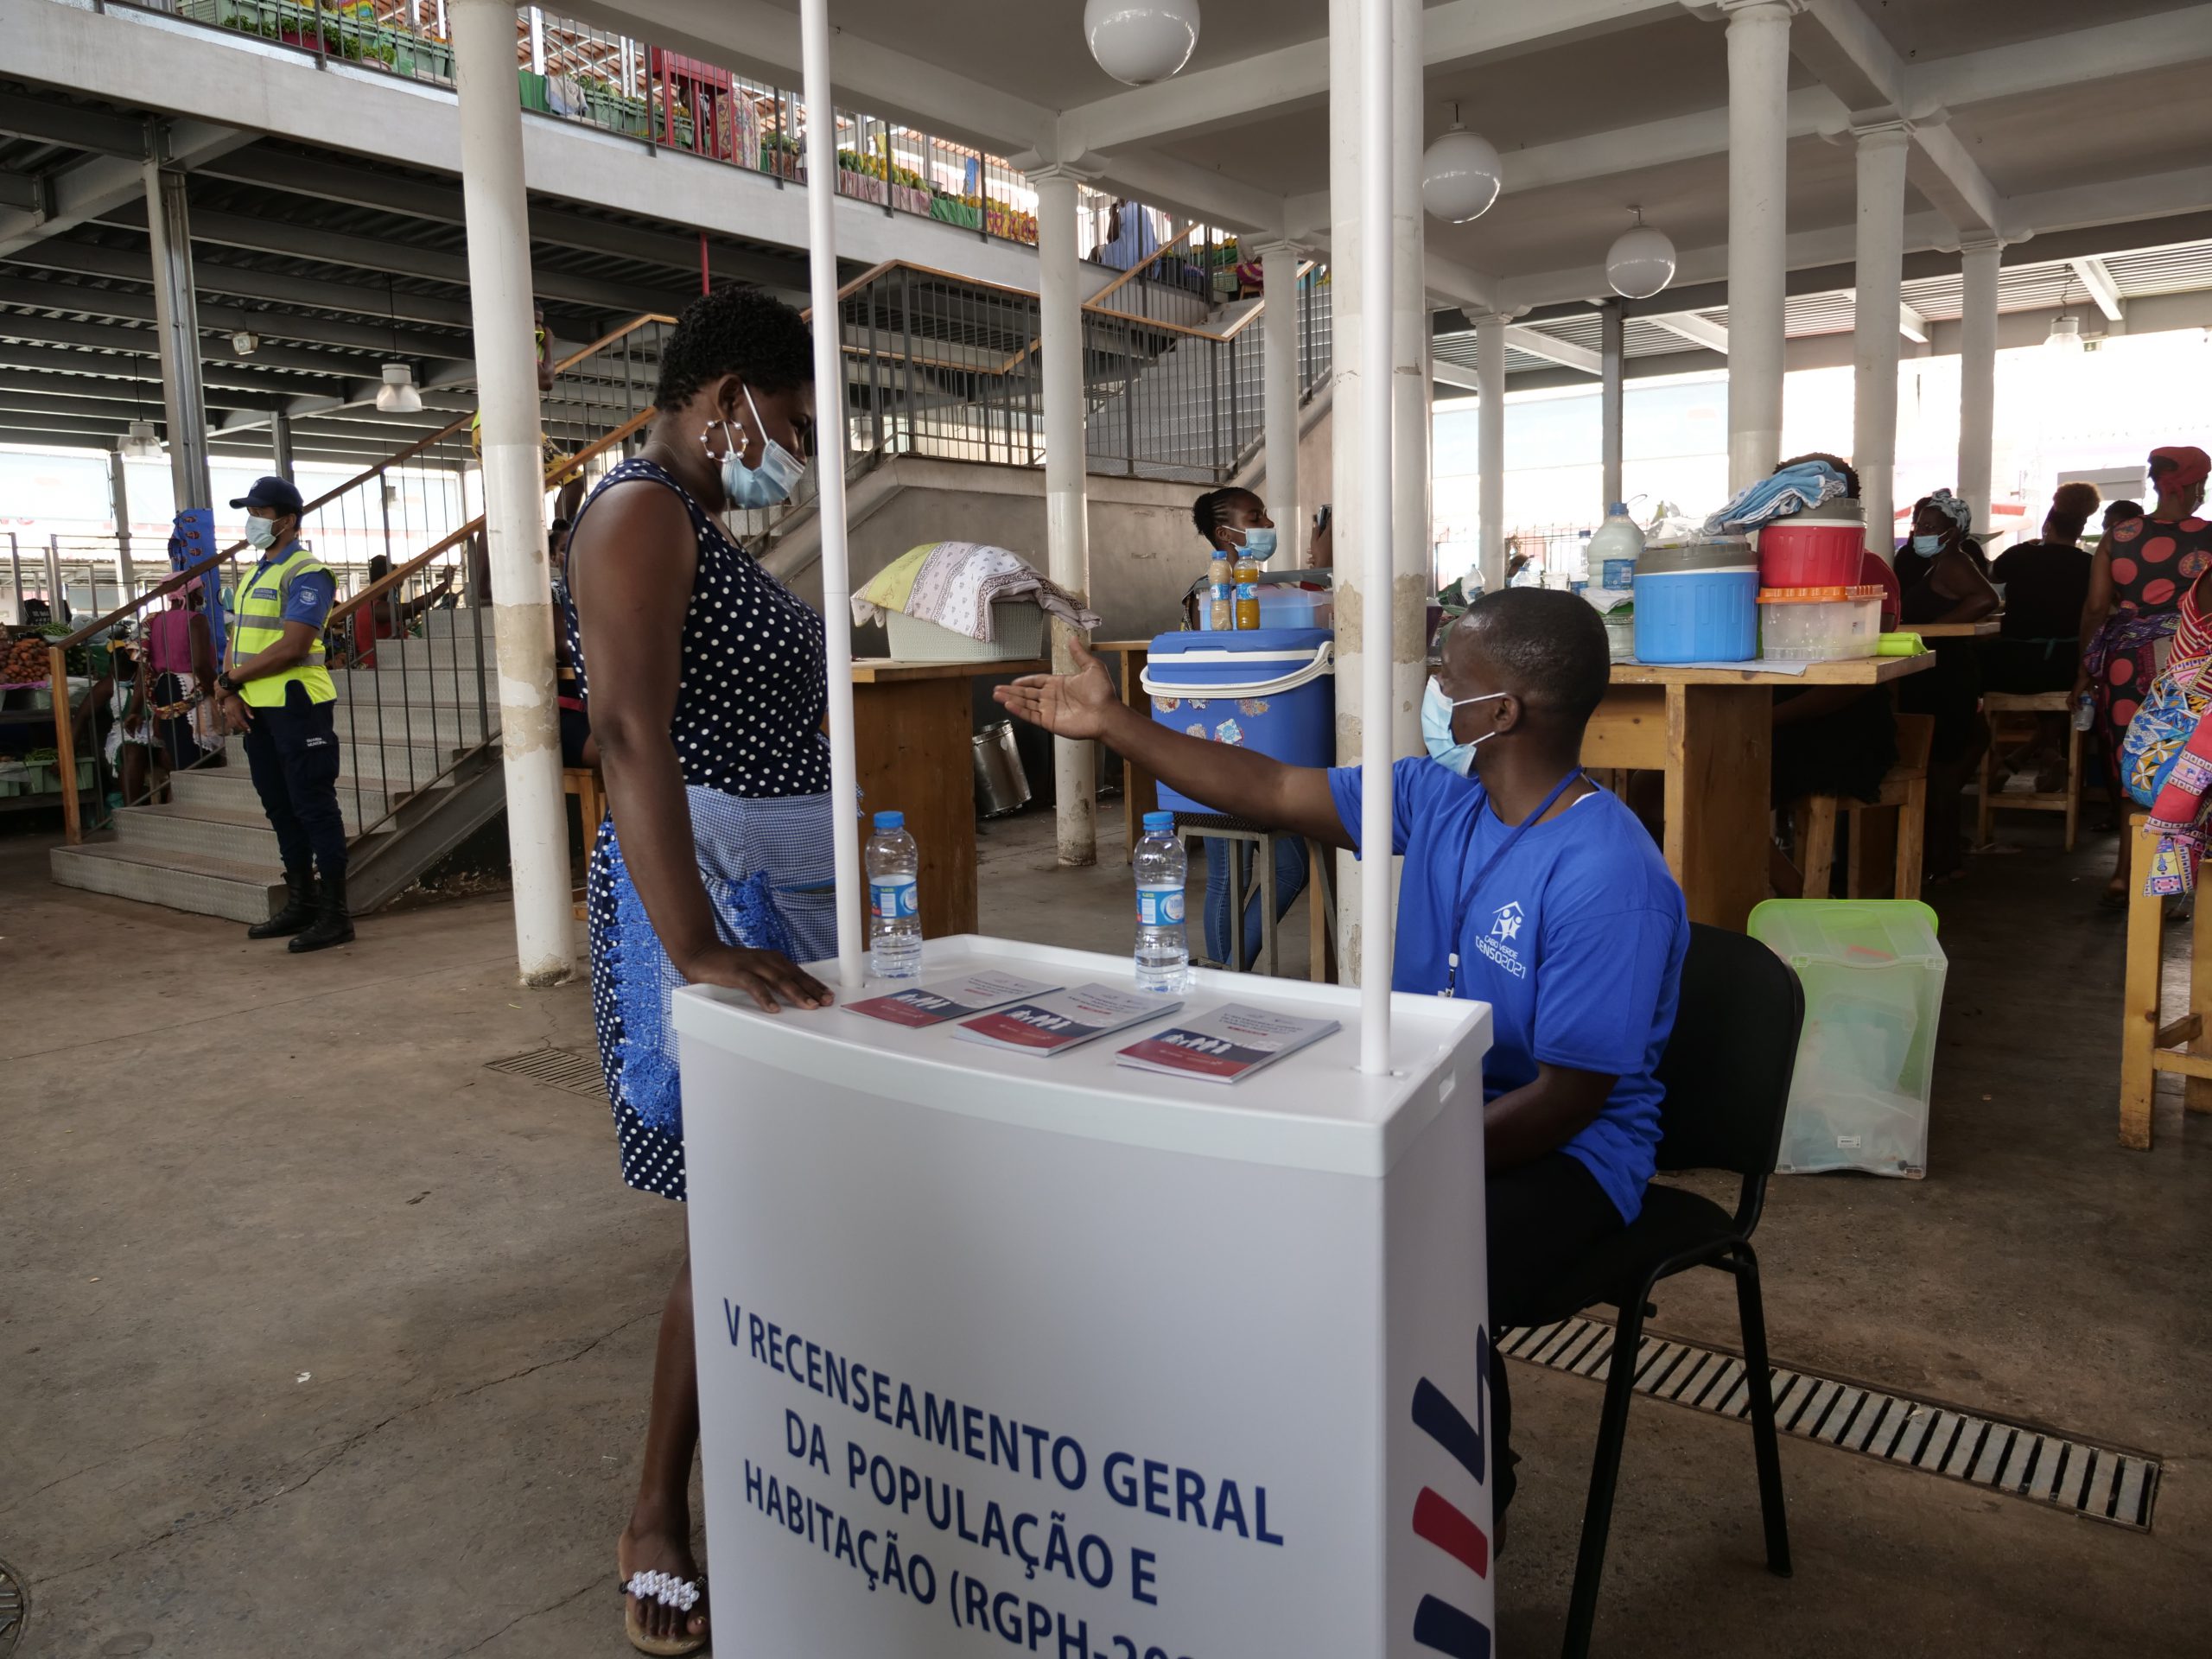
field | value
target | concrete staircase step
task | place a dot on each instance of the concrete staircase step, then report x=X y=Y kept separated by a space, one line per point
x=396 y=767
x=230 y=789
x=242 y=835
x=205 y=884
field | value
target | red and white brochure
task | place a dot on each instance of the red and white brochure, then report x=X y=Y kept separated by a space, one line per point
x=1226 y=1046
x=950 y=998
x=1064 y=1019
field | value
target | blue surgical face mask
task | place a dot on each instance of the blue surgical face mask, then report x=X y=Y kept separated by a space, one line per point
x=1928 y=545
x=1436 y=712
x=764 y=485
x=261 y=533
x=1260 y=544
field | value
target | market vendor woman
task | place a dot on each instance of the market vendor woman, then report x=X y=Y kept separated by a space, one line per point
x=1525 y=885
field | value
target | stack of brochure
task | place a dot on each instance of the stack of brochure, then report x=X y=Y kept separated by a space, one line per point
x=1064 y=1019
x=1225 y=1045
x=951 y=999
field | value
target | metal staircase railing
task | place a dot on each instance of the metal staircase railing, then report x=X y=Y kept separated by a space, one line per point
x=409 y=647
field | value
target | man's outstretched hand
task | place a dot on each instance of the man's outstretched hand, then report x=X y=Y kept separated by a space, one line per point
x=1066 y=705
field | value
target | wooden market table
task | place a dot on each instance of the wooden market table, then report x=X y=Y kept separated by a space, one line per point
x=1140 y=790
x=1710 y=731
x=1987 y=628
x=913 y=748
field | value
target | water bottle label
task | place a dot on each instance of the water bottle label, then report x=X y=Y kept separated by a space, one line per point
x=1617 y=573
x=1160 y=906
x=1248 y=590
x=891 y=897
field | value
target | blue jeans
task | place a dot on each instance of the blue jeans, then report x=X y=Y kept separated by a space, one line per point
x=1290 y=881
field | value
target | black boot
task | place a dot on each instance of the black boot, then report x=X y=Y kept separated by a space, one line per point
x=331 y=925
x=299 y=910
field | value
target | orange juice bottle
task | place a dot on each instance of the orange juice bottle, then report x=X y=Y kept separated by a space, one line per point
x=1248 y=592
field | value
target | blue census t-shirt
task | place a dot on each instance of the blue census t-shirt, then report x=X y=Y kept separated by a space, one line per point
x=1576 y=941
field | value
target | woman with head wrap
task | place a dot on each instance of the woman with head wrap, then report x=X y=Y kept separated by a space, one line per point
x=2140 y=572
x=1947 y=586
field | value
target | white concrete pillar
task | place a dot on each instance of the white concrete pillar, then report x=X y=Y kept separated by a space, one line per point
x=1490 y=447
x=176 y=323
x=496 y=211
x=1280 y=392
x=1978 y=264
x=1875 y=315
x=1759 y=141
x=537 y=41
x=118 y=500
x=1613 y=392
x=279 y=442
x=1411 y=386
x=1067 y=518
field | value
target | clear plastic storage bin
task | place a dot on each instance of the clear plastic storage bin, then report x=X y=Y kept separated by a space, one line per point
x=1819 y=625
x=1873 y=978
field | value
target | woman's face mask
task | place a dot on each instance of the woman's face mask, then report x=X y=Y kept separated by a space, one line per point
x=1436 y=712
x=1259 y=544
x=1929 y=546
x=764 y=485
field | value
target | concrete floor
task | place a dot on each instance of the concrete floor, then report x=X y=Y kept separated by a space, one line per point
x=316 y=1337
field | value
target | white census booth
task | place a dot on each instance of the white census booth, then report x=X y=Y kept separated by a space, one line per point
x=998 y=1350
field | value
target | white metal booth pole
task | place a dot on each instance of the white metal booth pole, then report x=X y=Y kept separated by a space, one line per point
x=1000 y=1347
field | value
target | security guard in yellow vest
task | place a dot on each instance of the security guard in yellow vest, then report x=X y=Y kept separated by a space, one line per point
x=276 y=689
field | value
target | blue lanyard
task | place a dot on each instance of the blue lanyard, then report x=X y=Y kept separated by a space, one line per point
x=1467 y=895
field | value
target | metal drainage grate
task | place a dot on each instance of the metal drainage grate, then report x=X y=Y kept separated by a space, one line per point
x=558 y=1068
x=2100 y=1482
x=15 y=1609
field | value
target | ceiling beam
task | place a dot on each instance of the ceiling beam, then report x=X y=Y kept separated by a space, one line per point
x=1454 y=374
x=1536 y=343
x=2105 y=291
x=29 y=191
x=214 y=276
x=30 y=383
x=1851 y=56
x=329 y=180
x=1699 y=331
x=144 y=342
x=398 y=258
x=25 y=115
x=228 y=320
x=1911 y=324
x=97 y=186
x=2103 y=52
x=140 y=366
x=1262 y=85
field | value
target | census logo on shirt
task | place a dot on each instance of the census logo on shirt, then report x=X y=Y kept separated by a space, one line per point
x=1504 y=929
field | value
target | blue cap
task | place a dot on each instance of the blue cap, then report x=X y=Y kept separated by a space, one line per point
x=273 y=492
x=1164 y=823
x=891 y=820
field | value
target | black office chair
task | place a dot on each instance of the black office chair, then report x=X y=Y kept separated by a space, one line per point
x=1726 y=1071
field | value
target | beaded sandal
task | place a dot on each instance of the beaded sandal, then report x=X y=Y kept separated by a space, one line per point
x=682 y=1594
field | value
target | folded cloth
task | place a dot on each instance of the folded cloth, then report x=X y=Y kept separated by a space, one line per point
x=1794 y=489
x=954 y=585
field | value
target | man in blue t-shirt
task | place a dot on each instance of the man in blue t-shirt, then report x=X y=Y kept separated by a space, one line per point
x=1525 y=885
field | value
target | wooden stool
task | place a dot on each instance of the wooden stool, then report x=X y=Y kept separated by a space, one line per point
x=584 y=783
x=1904 y=787
x=2146 y=1048
x=2011 y=713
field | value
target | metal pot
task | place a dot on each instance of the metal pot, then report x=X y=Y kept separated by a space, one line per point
x=1001 y=786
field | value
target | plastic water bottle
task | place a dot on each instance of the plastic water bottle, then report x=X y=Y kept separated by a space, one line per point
x=1163 y=953
x=2085 y=711
x=894 y=895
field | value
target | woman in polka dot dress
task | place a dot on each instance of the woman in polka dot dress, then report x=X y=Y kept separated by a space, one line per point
x=707 y=685
x=2136 y=581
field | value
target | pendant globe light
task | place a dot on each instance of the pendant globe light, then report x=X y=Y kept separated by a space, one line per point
x=1140 y=42
x=397 y=395
x=2065 y=336
x=1641 y=261
x=1459 y=175
x=139 y=441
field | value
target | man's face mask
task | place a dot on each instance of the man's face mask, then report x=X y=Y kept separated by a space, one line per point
x=1436 y=712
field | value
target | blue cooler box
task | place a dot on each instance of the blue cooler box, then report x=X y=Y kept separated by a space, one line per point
x=1272 y=690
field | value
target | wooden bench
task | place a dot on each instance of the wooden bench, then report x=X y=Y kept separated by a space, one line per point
x=2015 y=714
x=2147 y=1048
x=583 y=783
x=1904 y=789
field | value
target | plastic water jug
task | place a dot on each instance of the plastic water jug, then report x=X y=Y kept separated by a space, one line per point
x=1613 y=549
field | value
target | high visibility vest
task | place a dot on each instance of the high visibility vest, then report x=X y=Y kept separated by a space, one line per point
x=257 y=622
